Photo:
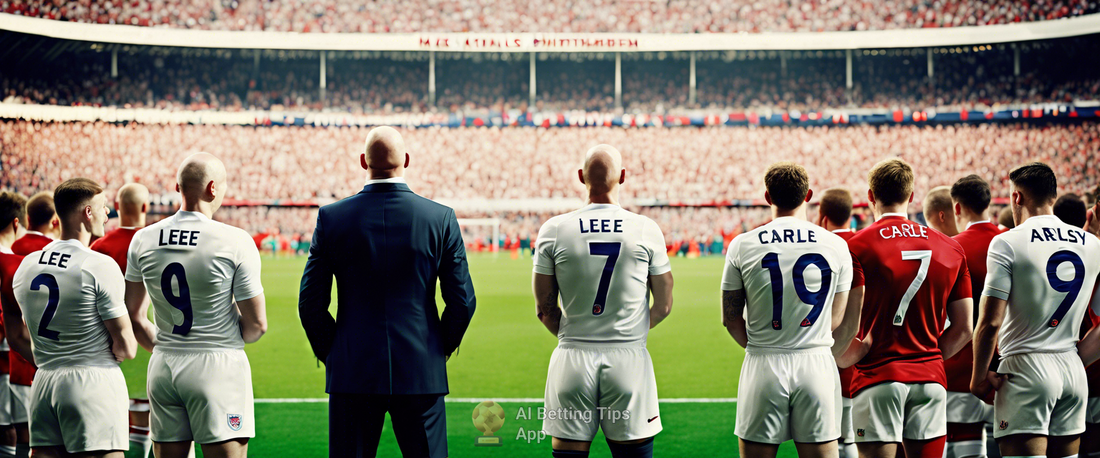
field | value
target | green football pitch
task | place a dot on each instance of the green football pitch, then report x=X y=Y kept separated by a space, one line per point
x=504 y=356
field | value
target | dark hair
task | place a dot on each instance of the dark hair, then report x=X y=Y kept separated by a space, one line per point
x=1071 y=210
x=1037 y=181
x=891 y=181
x=787 y=183
x=972 y=192
x=12 y=206
x=40 y=209
x=73 y=194
x=836 y=205
x=1005 y=218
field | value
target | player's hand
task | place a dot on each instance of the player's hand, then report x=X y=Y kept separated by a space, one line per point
x=986 y=386
x=1092 y=220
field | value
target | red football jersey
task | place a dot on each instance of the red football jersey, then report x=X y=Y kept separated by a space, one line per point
x=29 y=243
x=115 y=244
x=911 y=273
x=975 y=243
x=846 y=374
x=1093 y=371
x=22 y=371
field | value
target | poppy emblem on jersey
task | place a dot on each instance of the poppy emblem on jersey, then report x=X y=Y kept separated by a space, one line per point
x=1003 y=425
x=859 y=432
x=597 y=309
x=234 y=421
x=806 y=322
x=897 y=319
x=777 y=325
x=1053 y=323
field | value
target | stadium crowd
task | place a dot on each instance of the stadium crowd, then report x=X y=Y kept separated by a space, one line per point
x=707 y=166
x=228 y=81
x=566 y=16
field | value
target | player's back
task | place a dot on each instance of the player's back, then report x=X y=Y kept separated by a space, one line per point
x=195 y=269
x=790 y=270
x=975 y=242
x=602 y=257
x=911 y=273
x=66 y=292
x=1046 y=270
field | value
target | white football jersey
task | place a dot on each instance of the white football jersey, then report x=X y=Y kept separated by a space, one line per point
x=195 y=270
x=1046 y=270
x=602 y=257
x=66 y=291
x=790 y=270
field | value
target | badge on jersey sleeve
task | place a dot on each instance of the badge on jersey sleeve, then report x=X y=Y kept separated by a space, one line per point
x=234 y=422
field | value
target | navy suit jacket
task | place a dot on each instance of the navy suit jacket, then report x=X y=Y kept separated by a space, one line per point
x=386 y=246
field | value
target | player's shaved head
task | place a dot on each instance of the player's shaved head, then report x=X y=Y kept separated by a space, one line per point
x=197 y=171
x=132 y=197
x=385 y=152
x=603 y=168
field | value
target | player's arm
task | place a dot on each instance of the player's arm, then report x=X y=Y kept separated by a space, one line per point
x=19 y=337
x=137 y=304
x=846 y=326
x=733 y=315
x=661 y=287
x=545 y=288
x=1089 y=346
x=991 y=316
x=961 y=314
x=123 y=343
x=253 y=318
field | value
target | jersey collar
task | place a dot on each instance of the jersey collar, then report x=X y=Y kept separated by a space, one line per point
x=899 y=215
x=185 y=213
x=841 y=230
x=978 y=222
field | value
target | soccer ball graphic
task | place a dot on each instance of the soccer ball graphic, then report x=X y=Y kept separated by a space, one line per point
x=488 y=417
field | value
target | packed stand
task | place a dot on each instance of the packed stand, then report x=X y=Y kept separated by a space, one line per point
x=676 y=16
x=689 y=165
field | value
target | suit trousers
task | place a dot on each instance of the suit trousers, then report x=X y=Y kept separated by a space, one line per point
x=355 y=424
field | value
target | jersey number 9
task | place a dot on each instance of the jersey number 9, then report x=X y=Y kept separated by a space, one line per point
x=182 y=302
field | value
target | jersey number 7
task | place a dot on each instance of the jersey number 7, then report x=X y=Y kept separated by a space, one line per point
x=925 y=258
x=611 y=250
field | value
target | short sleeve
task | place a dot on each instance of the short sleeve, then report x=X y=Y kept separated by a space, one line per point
x=844 y=272
x=998 y=277
x=858 y=279
x=133 y=268
x=654 y=241
x=110 y=288
x=544 y=249
x=731 y=275
x=246 y=280
x=963 y=287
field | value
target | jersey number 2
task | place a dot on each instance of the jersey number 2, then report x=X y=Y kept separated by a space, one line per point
x=181 y=302
x=1072 y=288
x=50 y=283
x=611 y=250
x=814 y=298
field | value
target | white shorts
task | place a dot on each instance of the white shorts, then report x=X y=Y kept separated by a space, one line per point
x=20 y=403
x=967 y=408
x=890 y=412
x=593 y=386
x=789 y=394
x=847 y=431
x=83 y=408
x=201 y=396
x=1093 y=415
x=966 y=449
x=1045 y=395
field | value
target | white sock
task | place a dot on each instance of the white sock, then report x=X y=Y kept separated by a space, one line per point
x=7 y=451
x=140 y=442
x=849 y=451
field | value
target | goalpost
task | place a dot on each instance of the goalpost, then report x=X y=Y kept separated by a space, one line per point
x=492 y=224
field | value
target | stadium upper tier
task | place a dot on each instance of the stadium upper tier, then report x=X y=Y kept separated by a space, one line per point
x=690 y=165
x=676 y=16
x=973 y=77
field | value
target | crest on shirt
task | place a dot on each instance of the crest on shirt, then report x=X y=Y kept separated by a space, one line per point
x=234 y=421
x=1003 y=425
x=597 y=309
x=859 y=432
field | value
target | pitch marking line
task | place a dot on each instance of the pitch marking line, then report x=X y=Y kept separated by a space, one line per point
x=509 y=400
